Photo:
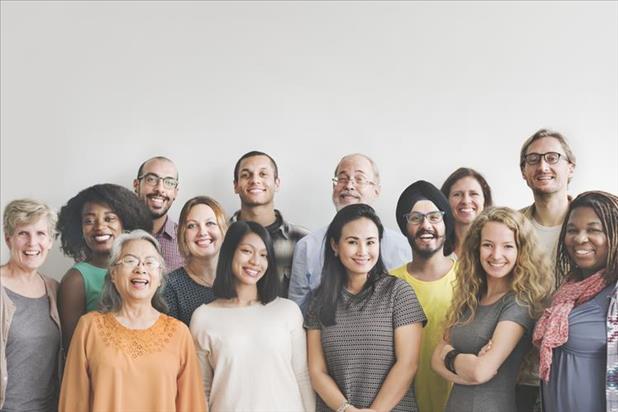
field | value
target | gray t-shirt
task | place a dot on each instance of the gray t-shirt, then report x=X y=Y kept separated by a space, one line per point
x=359 y=348
x=31 y=356
x=498 y=394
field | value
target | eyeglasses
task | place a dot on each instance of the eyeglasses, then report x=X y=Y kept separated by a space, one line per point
x=417 y=218
x=550 y=158
x=131 y=262
x=152 y=179
x=358 y=180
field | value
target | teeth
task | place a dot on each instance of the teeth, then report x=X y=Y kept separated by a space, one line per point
x=583 y=252
x=139 y=281
x=102 y=238
x=466 y=210
x=157 y=200
x=204 y=242
x=31 y=252
x=252 y=272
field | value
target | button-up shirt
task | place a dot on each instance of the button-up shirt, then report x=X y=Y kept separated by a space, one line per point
x=169 y=245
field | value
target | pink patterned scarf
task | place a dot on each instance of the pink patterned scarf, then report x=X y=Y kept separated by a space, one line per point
x=552 y=329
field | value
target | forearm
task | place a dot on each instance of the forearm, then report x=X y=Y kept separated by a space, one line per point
x=394 y=387
x=438 y=366
x=327 y=389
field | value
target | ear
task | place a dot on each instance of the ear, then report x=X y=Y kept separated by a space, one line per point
x=334 y=247
x=277 y=183
x=136 y=186
x=235 y=183
x=6 y=239
x=378 y=189
x=571 y=170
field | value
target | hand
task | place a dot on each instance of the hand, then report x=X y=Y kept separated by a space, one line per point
x=445 y=349
x=355 y=409
x=485 y=348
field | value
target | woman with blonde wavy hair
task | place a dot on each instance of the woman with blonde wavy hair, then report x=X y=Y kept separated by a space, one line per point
x=501 y=287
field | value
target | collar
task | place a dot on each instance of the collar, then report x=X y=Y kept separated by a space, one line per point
x=168 y=229
x=529 y=211
x=279 y=225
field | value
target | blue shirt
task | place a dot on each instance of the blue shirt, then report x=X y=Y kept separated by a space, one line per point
x=309 y=258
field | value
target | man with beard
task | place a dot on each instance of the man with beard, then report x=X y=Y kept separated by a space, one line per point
x=424 y=217
x=256 y=179
x=547 y=164
x=356 y=180
x=157 y=185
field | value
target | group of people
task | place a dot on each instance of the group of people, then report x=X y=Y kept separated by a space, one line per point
x=469 y=307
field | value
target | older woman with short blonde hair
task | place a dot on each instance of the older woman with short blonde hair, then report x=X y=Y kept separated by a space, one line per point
x=30 y=336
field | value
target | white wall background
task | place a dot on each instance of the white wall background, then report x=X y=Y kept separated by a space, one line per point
x=91 y=89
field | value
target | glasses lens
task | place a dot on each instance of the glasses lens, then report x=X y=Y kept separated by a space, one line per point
x=415 y=217
x=130 y=261
x=151 y=179
x=533 y=158
x=552 y=157
x=434 y=217
x=152 y=264
x=170 y=182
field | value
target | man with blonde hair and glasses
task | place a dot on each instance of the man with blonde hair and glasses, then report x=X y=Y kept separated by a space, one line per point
x=156 y=185
x=356 y=180
x=547 y=164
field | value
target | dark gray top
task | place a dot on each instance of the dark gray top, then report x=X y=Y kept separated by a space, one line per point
x=577 y=376
x=359 y=348
x=183 y=295
x=31 y=356
x=498 y=394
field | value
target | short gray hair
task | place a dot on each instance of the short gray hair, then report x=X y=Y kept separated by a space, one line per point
x=111 y=301
x=374 y=166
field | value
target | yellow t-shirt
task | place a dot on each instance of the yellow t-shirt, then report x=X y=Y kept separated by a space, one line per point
x=435 y=297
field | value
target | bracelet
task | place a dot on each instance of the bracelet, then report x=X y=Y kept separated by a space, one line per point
x=449 y=360
x=344 y=406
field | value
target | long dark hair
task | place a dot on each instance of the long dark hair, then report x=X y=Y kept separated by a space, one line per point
x=334 y=274
x=224 y=286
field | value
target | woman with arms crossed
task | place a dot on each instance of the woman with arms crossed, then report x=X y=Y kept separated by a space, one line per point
x=501 y=286
x=578 y=334
x=130 y=356
x=364 y=326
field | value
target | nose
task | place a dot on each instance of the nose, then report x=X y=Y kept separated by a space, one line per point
x=350 y=185
x=543 y=165
x=581 y=237
x=466 y=198
x=425 y=222
x=362 y=249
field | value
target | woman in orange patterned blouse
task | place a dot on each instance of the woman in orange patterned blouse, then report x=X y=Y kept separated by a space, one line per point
x=129 y=356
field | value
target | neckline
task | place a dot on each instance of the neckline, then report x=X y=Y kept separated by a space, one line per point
x=12 y=292
x=119 y=324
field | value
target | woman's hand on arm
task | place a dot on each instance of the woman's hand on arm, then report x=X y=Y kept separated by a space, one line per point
x=71 y=303
x=401 y=375
x=437 y=364
x=481 y=368
x=321 y=381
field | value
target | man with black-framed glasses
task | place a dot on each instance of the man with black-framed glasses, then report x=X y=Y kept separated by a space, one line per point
x=547 y=164
x=157 y=185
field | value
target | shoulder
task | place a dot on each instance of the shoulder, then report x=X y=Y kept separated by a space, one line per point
x=176 y=276
x=171 y=323
x=51 y=284
x=400 y=272
x=527 y=211
x=72 y=277
x=286 y=306
x=512 y=309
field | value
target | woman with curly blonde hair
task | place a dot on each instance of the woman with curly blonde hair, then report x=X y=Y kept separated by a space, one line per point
x=502 y=284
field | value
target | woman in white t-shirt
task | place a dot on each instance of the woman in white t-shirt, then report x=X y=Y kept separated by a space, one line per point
x=251 y=343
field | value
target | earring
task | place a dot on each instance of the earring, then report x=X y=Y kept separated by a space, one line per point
x=336 y=254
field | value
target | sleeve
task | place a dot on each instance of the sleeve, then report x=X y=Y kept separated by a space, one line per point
x=190 y=396
x=171 y=297
x=299 y=359
x=517 y=313
x=202 y=347
x=75 y=391
x=312 y=320
x=299 y=277
x=406 y=307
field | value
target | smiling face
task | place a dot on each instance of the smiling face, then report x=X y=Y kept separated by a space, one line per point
x=586 y=241
x=348 y=193
x=250 y=260
x=256 y=183
x=544 y=178
x=498 y=250
x=426 y=238
x=100 y=226
x=137 y=283
x=157 y=198
x=203 y=236
x=466 y=200
x=29 y=244
x=358 y=247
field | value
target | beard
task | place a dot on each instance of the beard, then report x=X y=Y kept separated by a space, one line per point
x=426 y=252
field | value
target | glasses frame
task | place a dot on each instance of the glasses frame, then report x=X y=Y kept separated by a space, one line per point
x=424 y=216
x=122 y=262
x=168 y=182
x=345 y=180
x=544 y=157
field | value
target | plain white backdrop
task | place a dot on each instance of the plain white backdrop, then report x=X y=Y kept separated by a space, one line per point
x=91 y=89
